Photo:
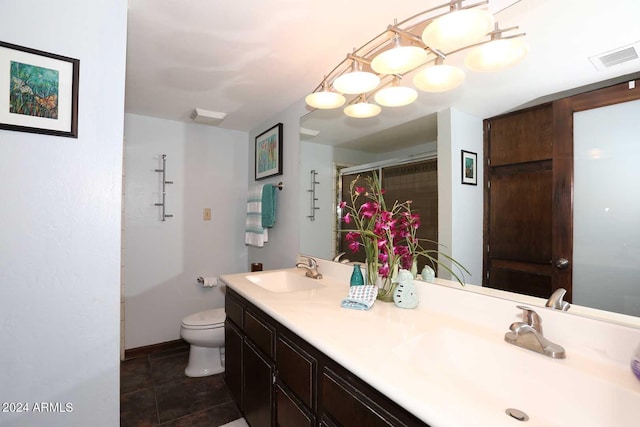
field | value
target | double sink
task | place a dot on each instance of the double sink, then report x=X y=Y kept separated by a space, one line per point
x=503 y=384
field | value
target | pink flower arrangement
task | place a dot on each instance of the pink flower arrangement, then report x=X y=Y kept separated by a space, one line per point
x=388 y=236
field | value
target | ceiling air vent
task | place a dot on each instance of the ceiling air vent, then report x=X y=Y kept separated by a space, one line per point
x=207 y=117
x=616 y=57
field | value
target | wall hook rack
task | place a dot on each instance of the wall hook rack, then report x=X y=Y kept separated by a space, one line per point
x=163 y=204
x=314 y=199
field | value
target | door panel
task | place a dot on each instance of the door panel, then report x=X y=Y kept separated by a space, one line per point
x=519 y=206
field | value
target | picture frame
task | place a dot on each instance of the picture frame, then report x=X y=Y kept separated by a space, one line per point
x=268 y=159
x=38 y=91
x=469 y=167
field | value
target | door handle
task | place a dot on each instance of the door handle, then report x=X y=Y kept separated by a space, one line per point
x=562 y=263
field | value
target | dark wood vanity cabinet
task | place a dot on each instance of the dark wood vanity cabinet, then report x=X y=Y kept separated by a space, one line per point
x=278 y=379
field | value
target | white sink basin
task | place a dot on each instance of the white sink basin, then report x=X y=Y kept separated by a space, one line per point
x=284 y=281
x=572 y=392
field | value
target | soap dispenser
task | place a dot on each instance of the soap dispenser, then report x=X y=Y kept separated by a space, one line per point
x=356 y=276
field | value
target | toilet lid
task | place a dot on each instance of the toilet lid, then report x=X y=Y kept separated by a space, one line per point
x=203 y=318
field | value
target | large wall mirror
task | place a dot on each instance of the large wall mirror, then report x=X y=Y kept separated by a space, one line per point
x=561 y=39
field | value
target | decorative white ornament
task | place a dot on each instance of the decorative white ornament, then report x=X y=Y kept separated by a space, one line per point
x=428 y=275
x=405 y=295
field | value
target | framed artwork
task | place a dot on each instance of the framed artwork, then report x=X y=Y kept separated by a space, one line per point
x=38 y=91
x=469 y=168
x=269 y=153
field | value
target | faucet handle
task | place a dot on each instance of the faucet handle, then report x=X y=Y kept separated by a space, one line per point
x=531 y=318
x=556 y=300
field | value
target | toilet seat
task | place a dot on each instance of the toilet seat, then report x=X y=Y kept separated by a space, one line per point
x=207 y=319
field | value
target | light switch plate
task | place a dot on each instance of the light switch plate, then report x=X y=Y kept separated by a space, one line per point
x=206 y=214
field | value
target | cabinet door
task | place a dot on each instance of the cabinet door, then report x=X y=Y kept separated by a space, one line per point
x=289 y=413
x=233 y=361
x=348 y=401
x=297 y=369
x=258 y=387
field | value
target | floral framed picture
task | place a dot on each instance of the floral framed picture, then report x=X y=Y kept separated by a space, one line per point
x=469 y=168
x=38 y=91
x=269 y=153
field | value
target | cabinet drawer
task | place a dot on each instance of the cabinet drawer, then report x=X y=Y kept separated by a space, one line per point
x=348 y=407
x=261 y=333
x=288 y=413
x=233 y=309
x=296 y=369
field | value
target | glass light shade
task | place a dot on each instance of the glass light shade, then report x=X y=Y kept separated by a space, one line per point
x=325 y=100
x=438 y=78
x=356 y=82
x=399 y=60
x=496 y=55
x=457 y=29
x=396 y=96
x=362 y=110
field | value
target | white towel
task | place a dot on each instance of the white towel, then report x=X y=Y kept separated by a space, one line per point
x=255 y=234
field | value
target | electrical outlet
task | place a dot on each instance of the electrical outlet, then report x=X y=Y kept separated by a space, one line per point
x=206 y=214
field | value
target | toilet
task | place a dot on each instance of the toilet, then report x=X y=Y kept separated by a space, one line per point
x=204 y=331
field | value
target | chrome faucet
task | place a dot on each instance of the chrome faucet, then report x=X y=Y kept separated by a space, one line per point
x=341 y=261
x=528 y=334
x=556 y=301
x=311 y=266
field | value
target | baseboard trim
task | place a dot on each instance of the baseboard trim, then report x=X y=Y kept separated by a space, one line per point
x=146 y=350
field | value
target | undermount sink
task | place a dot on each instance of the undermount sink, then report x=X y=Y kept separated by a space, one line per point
x=576 y=391
x=284 y=281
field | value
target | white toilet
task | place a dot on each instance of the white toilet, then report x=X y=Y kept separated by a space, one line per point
x=205 y=332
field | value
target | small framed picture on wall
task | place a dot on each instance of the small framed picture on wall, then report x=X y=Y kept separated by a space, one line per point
x=469 y=168
x=269 y=153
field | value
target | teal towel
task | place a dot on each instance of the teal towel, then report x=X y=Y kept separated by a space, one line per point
x=268 y=205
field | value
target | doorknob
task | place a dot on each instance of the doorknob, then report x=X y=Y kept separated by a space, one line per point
x=562 y=263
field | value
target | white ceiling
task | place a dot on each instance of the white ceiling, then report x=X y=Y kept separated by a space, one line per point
x=255 y=59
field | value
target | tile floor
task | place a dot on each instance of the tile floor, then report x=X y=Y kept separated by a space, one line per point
x=154 y=391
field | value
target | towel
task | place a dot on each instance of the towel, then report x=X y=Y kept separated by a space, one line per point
x=255 y=233
x=268 y=205
x=360 y=297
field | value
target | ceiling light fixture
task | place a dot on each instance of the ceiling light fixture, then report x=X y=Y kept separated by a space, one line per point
x=396 y=95
x=428 y=37
x=497 y=54
x=399 y=59
x=439 y=77
x=362 y=109
x=356 y=81
x=325 y=98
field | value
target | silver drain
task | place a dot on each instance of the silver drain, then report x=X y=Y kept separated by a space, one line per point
x=517 y=414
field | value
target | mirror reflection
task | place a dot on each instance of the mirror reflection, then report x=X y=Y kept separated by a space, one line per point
x=331 y=142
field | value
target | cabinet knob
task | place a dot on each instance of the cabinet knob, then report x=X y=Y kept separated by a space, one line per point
x=562 y=263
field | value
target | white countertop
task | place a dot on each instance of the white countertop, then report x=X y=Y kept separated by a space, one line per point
x=382 y=346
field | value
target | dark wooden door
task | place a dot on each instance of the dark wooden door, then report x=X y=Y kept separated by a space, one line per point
x=522 y=206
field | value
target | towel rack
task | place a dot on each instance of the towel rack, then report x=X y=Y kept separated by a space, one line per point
x=314 y=199
x=163 y=204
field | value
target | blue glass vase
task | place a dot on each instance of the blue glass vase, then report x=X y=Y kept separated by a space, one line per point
x=356 y=276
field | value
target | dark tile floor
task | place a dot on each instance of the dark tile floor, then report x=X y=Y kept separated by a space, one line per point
x=154 y=391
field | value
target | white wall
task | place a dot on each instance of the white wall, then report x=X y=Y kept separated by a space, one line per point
x=60 y=225
x=281 y=249
x=208 y=167
x=460 y=206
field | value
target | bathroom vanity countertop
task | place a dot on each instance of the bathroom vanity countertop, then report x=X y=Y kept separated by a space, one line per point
x=447 y=363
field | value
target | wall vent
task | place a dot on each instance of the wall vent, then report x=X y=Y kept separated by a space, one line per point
x=616 y=57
